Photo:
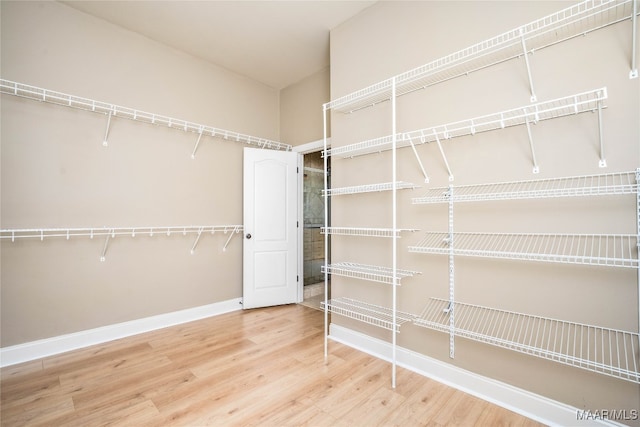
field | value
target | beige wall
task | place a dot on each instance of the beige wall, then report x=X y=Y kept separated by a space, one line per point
x=392 y=37
x=301 y=109
x=56 y=173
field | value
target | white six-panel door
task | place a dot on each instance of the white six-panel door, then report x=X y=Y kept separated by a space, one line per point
x=270 y=259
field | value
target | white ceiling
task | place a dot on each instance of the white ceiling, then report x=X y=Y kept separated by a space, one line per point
x=275 y=42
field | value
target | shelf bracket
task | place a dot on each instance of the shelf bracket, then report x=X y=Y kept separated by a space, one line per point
x=193 y=248
x=633 y=74
x=195 y=148
x=603 y=162
x=234 y=231
x=105 y=142
x=536 y=169
x=444 y=157
x=526 y=61
x=415 y=152
x=112 y=234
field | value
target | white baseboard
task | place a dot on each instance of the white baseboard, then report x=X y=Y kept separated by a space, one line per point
x=531 y=405
x=47 y=347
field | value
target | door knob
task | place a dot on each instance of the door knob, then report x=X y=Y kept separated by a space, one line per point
x=248 y=235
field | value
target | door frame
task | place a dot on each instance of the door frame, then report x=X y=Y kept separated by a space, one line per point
x=310 y=147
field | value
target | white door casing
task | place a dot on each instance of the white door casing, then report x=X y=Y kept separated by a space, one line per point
x=270 y=249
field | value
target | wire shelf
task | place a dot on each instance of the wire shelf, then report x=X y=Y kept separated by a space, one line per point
x=42 y=233
x=588 y=185
x=368 y=188
x=576 y=20
x=532 y=113
x=371 y=273
x=367 y=313
x=364 y=232
x=112 y=232
x=607 y=351
x=44 y=95
x=614 y=250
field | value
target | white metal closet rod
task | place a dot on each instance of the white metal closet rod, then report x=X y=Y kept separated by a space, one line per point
x=45 y=95
x=573 y=21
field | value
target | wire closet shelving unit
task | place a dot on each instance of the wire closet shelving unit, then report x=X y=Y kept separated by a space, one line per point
x=603 y=350
x=111 y=232
x=577 y=20
x=594 y=348
x=597 y=349
x=591 y=101
x=34 y=93
x=22 y=90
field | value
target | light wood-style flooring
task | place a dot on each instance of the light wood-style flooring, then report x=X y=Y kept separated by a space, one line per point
x=261 y=367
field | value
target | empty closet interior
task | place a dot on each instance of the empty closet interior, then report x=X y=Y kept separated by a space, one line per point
x=475 y=205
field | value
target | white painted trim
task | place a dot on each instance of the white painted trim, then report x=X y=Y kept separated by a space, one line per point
x=300 y=246
x=311 y=147
x=63 y=343
x=531 y=405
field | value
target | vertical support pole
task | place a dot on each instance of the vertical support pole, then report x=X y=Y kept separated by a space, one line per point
x=452 y=310
x=633 y=74
x=394 y=228
x=526 y=61
x=536 y=169
x=603 y=162
x=326 y=235
x=638 y=236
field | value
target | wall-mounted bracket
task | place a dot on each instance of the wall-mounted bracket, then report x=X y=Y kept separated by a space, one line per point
x=415 y=153
x=603 y=162
x=526 y=61
x=195 y=243
x=536 y=169
x=234 y=231
x=112 y=234
x=195 y=148
x=105 y=141
x=444 y=157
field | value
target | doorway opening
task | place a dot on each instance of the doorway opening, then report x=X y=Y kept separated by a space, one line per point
x=313 y=219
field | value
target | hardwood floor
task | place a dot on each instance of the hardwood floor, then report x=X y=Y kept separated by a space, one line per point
x=261 y=367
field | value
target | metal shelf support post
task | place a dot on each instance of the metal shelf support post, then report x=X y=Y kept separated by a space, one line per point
x=325 y=111
x=452 y=325
x=638 y=231
x=633 y=74
x=394 y=227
